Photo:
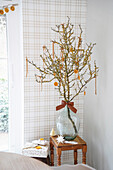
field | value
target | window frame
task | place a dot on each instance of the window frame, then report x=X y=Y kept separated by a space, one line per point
x=16 y=79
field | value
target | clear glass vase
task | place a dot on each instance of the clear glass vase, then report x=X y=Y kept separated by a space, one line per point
x=67 y=124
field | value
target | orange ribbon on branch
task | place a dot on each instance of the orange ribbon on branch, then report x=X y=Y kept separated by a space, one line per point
x=69 y=105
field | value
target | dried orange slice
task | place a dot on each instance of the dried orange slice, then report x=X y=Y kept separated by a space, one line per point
x=55 y=83
x=84 y=93
x=12 y=8
x=1 y=11
x=6 y=10
x=38 y=147
x=79 y=77
x=75 y=71
x=41 y=138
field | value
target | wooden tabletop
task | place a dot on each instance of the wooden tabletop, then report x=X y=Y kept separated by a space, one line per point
x=78 y=139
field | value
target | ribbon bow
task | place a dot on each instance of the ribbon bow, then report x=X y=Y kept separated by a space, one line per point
x=69 y=105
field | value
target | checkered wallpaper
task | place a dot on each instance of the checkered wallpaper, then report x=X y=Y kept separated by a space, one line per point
x=40 y=102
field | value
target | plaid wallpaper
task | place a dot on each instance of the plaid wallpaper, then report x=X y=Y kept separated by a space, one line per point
x=40 y=102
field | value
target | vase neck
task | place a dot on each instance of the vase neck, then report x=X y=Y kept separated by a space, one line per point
x=66 y=108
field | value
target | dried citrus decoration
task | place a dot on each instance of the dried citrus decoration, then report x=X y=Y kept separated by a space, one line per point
x=38 y=147
x=60 y=67
x=62 y=58
x=41 y=138
x=80 y=41
x=71 y=49
x=77 y=63
x=6 y=10
x=44 y=47
x=61 y=48
x=55 y=83
x=1 y=11
x=78 y=77
x=84 y=93
x=89 y=58
x=12 y=8
x=62 y=26
x=43 y=59
x=75 y=71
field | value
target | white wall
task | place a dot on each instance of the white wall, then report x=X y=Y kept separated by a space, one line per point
x=98 y=110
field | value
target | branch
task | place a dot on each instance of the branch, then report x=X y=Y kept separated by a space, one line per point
x=81 y=88
x=43 y=71
x=46 y=81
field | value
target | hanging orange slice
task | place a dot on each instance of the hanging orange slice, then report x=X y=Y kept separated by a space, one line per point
x=71 y=49
x=1 y=11
x=60 y=67
x=55 y=83
x=78 y=77
x=62 y=58
x=6 y=10
x=75 y=71
x=12 y=8
x=44 y=47
x=89 y=58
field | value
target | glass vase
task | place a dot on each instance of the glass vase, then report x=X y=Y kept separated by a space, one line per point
x=67 y=124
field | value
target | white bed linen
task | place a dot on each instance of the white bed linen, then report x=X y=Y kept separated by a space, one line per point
x=12 y=161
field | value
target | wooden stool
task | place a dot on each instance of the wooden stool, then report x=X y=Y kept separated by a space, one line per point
x=81 y=144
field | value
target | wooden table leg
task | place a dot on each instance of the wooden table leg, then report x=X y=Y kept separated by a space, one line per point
x=58 y=156
x=75 y=156
x=51 y=152
x=84 y=150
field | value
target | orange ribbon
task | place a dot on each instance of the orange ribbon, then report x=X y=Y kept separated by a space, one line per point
x=69 y=105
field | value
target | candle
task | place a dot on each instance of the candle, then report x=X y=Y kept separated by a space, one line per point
x=52 y=133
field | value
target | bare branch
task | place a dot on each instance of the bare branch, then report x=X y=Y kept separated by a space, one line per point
x=73 y=59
